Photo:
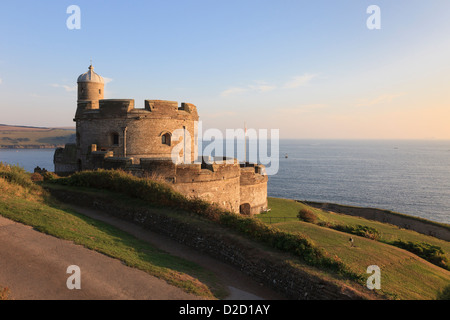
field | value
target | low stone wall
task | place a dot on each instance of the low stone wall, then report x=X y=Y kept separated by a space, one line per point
x=234 y=250
x=386 y=216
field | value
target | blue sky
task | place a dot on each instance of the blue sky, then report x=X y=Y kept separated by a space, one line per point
x=309 y=68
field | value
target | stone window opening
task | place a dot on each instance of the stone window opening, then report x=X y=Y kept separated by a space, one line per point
x=115 y=139
x=165 y=139
x=78 y=141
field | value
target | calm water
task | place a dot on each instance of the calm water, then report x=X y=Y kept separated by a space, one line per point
x=29 y=158
x=411 y=177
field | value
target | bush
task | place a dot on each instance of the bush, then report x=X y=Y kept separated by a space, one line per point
x=359 y=230
x=429 y=252
x=49 y=175
x=444 y=294
x=307 y=216
x=17 y=175
x=4 y=294
x=35 y=177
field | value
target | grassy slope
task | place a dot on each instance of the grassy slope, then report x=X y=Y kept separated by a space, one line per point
x=27 y=207
x=403 y=275
x=24 y=136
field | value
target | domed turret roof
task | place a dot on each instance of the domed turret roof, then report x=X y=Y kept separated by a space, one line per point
x=90 y=76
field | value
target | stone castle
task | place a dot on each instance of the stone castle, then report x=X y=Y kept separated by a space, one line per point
x=113 y=134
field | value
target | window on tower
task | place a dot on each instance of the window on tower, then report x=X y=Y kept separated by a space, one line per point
x=115 y=139
x=165 y=139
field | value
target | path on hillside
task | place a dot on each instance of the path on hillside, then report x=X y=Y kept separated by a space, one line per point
x=241 y=286
x=34 y=265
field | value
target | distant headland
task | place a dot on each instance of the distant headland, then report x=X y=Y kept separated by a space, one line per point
x=28 y=137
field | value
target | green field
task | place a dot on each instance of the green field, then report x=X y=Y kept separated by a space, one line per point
x=34 y=137
x=403 y=274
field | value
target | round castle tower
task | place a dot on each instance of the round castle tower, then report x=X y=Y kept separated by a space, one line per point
x=90 y=86
x=116 y=129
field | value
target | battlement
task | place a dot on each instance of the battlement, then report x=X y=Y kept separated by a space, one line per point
x=107 y=108
x=115 y=106
x=165 y=106
x=253 y=174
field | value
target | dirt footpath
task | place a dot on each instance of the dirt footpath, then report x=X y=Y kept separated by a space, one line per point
x=34 y=265
x=241 y=286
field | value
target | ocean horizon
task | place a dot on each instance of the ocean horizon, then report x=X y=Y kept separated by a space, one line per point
x=406 y=176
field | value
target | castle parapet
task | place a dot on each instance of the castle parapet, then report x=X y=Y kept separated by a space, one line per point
x=117 y=163
x=170 y=108
x=114 y=107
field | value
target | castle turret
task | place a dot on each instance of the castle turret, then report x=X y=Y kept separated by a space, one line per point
x=90 y=87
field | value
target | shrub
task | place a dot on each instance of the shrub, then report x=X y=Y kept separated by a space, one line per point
x=307 y=216
x=49 y=175
x=429 y=252
x=4 y=294
x=17 y=175
x=35 y=177
x=359 y=230
x=444 y=294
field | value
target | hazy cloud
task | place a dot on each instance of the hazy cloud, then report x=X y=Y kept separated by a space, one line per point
x=300 y=81
x=1 y=80
x=299 y=110
x=261 y=86
x=385 y=98
x=65 y=87
x=233 y=91
x=107 y=80
x=219 y=114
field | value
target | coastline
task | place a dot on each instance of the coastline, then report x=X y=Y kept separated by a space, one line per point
x=30 y=146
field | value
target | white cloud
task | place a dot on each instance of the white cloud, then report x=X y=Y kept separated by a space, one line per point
x=300 y=110
x=233 y=91
x=65 y=87
x=107 y=80
x=262 y=86
x=259 y=87
x=219 y=115
x=300 y=81
x=385 y=98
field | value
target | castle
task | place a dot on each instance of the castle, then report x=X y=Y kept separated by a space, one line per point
x=113 y=134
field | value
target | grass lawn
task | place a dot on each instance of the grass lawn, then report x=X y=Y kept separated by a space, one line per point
x=403 y=274
x=281 y=208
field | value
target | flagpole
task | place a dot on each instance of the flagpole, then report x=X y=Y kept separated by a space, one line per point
x=245 y=144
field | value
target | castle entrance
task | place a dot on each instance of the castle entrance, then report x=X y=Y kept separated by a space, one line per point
x=244 y=209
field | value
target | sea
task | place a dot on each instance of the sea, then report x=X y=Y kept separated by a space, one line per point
x=411 y=177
